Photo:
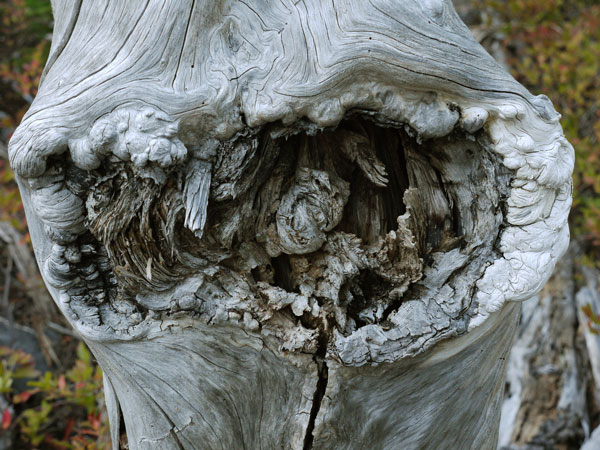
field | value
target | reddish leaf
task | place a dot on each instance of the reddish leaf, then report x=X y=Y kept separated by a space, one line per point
x=22 y=397
x=6 y=419
x=68 y=429
x=94 y=420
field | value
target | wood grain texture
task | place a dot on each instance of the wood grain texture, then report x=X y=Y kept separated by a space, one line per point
x=551 y=390
x=291 y=224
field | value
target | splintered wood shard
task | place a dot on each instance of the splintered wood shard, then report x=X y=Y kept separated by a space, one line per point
x=195 y=193
x=291 y=224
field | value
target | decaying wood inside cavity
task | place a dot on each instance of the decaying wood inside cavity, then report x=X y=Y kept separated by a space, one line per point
x=258 y=212
x=335 y=227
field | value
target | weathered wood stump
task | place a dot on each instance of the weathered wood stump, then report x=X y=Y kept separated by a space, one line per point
x=293 y=224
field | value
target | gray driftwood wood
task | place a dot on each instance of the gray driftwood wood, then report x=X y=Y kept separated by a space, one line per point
x=552 y=387
x=291 y=224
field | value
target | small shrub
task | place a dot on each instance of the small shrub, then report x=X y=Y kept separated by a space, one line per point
x=54 y=411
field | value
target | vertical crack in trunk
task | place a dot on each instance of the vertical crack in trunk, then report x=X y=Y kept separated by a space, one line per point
x=319 y=359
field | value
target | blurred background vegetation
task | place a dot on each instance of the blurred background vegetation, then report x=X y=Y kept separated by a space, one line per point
x=50 y=394
x=50 y=401
x=553 y=48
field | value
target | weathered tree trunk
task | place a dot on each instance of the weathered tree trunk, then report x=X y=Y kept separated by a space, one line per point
x=553 y=378
x=291 y=224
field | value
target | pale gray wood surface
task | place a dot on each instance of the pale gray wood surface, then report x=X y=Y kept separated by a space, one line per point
x=291 y=224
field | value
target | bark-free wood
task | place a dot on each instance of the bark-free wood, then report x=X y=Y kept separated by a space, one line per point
x=552 y=389
x=264 y=217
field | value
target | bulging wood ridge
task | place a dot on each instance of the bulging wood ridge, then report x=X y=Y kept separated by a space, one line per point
x=248 y=207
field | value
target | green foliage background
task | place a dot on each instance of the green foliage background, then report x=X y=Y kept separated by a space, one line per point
x=51 y=410
x=553 y=48
x=25 y=32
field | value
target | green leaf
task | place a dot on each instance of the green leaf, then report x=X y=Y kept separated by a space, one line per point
x=83 y=353
x=6 y=382
x=26 y=372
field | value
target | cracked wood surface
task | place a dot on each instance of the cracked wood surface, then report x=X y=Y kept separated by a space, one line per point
x=291 y=224
x=552 y=386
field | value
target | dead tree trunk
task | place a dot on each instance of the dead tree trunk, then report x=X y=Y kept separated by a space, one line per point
x=552 y=373
x=291 y=224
